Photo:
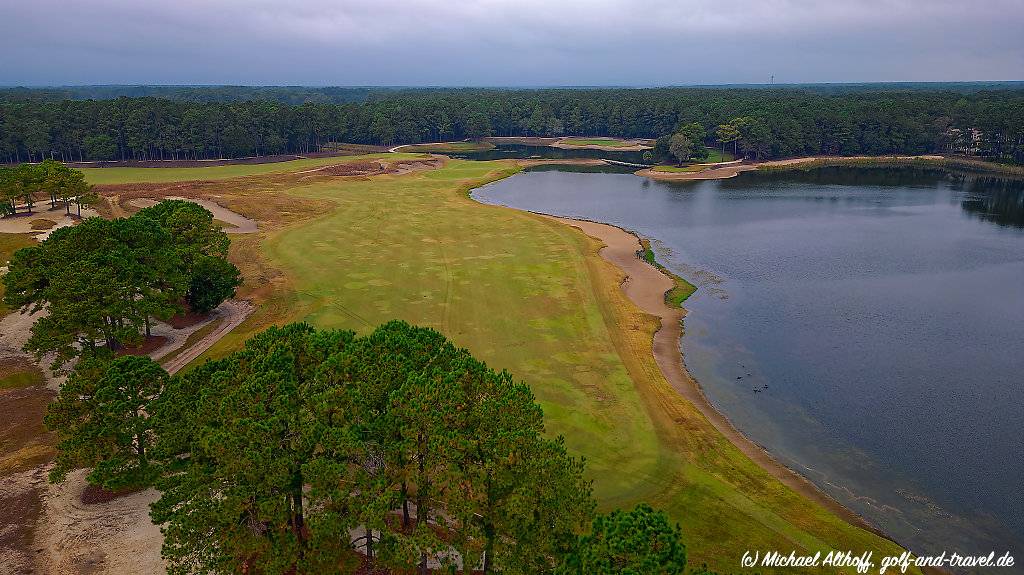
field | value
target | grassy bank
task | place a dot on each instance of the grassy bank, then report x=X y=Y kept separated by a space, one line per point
x=682 y=290
x=608 y=142
x=449 y=147
x=953 y=163
x=533 y=296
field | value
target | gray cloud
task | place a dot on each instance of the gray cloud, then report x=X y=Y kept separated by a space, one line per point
x=508 y=42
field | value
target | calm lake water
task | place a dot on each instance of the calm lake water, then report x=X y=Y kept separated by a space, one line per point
x=866 y=326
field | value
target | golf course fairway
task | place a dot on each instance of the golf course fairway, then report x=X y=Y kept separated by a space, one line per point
x=532 y=296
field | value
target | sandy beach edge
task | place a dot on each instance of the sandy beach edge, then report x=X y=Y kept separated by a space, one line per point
x=645 y=286
x=729 y=171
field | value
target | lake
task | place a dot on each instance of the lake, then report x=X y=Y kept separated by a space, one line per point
x=865 y=325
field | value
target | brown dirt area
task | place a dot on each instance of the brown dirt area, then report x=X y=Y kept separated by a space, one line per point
x=25 y=447
x=94 y=494
x=187 y=319
x=146 y=347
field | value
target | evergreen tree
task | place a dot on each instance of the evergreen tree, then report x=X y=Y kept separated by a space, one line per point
x=638 y=542
x=101 y=418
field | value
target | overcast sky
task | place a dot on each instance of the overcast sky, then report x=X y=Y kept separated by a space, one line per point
x=507 y=42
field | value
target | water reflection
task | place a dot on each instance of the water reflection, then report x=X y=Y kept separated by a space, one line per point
x=996 y=200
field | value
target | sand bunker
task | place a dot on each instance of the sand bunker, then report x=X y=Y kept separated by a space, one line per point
x=113 y=537
x=22 y=223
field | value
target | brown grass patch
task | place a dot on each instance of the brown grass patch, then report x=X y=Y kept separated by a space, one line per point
x=94 y=494
x=21 y=498
x=42 y=224
x=363 y=168
x=24 y=441
x=148 y=345
x=187 y=319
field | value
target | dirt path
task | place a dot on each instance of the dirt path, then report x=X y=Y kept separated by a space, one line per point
x=233 y=313
x=646 y=287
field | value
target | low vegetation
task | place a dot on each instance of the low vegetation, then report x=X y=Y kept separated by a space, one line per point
x=522 y=293
x=108 y=176
x=563 y=325
x=968 y=164
x=678 y=169
x=41 y=224
x=682 y=289
x=716 y=156
x=17 y=379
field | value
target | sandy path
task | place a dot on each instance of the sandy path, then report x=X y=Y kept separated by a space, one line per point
x=243 y=225
x=234 y=313
x=646 y=287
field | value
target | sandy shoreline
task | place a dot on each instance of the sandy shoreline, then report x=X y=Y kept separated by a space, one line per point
x=731 y=171
x=645 y=286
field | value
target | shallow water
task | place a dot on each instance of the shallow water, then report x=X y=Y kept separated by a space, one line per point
x=865 y=325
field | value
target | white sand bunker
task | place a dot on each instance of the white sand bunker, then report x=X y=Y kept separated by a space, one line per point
x=22 y=223
x=242 y=224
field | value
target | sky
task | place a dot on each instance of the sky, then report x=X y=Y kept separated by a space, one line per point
x=507 y=42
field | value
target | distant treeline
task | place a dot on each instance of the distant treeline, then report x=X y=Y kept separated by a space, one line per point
x=781 y=122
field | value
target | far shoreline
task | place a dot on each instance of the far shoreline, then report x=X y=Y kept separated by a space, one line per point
x=721 y=172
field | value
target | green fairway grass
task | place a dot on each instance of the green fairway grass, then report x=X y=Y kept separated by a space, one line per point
x=450 y=147
x=596 y=142
x=532 y=296
x=164 y=175
x=678 y=169
x=715 y=155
